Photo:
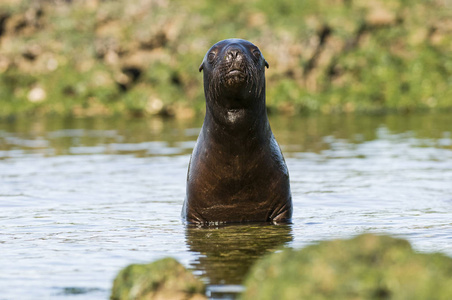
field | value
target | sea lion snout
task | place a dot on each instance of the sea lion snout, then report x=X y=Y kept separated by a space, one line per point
x=234 y=53
x=234 y=65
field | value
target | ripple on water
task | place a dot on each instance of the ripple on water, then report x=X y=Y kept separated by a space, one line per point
x=79 y=202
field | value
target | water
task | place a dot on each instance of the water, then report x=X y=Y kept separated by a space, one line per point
x=81 y=199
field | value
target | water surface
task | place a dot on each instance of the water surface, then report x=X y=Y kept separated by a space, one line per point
x=82 y=198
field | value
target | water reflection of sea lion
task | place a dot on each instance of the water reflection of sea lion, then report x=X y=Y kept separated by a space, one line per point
x=224 y=254
x=237 y=172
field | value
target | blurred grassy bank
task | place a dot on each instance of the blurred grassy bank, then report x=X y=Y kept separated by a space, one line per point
x=141 y=57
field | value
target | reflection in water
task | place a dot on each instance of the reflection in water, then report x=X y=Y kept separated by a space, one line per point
x=227 y=252
x=60 y=136
x=314 y=133
x=169 y=137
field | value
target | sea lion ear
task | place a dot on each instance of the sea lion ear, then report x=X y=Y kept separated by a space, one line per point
x=266 y=64
x=201 y=66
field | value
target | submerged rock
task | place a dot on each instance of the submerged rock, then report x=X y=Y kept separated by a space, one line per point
x=365 y=267
x=162 y=279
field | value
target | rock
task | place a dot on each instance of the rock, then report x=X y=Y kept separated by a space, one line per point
x=4 y=63
x=322 y=54
x=162 y=279
x=37 y=94
x=381 y=17
x=154 y=105
x=365 y=267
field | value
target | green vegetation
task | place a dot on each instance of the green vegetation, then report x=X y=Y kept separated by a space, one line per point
x=365 y=267
x=140 y=57
x=162 y=279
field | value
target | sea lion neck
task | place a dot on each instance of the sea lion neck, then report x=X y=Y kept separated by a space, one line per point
x=223 y=121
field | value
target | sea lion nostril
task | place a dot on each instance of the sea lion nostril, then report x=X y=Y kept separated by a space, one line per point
x=233 y=53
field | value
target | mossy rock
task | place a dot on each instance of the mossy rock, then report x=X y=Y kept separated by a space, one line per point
x=162 y=279
x=365 y=267
x=111 y=57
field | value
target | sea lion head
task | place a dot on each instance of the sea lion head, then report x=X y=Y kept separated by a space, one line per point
x=234 y=74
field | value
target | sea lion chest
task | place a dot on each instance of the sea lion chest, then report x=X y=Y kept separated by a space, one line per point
x=236 y=178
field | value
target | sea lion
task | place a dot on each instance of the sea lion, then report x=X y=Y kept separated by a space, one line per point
x=237 y=172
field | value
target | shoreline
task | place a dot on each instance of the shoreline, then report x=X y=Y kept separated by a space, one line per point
x=141 y=57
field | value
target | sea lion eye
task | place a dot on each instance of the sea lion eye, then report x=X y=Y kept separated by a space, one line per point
x=211 y=57
x=257 y=53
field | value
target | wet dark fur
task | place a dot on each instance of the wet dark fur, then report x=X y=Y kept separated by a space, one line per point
x=237 y=172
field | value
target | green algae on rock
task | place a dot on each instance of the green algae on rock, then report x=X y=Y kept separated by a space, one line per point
x=365 y=267
x=162 y=279
x=140 y=57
